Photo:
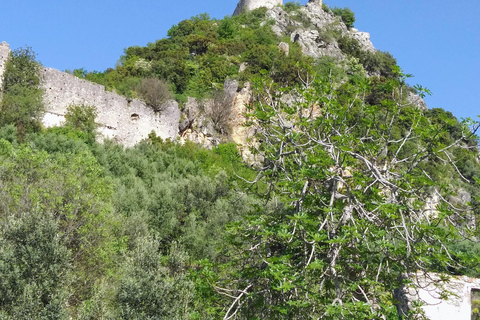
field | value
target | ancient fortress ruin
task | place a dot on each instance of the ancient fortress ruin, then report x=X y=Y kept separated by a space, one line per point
x=248 y=5
x=120 y=119
x=4 y=53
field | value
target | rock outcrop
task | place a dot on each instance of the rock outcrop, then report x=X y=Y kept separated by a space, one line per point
x=314 y=29
x=248 y=5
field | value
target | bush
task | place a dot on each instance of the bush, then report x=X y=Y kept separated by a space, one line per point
x=292 y=6
x=347 y=15
x=377 y=62
x=155 y=92
x=82 y=118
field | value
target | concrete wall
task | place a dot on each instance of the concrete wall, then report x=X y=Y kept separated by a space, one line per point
x=127 y=122
x=456 y=307
x=248 y=5
x=4 y=54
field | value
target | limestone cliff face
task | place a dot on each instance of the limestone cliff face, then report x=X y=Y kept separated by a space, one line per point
x=125 y=121
x=248 y=5
x=314 y=39
x=4 y=54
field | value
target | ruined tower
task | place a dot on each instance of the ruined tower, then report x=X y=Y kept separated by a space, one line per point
x=248 y=5
x=316 y=2
x=4 y=54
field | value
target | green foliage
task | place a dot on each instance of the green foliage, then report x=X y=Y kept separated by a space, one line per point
x=35 y=267
x=475 y=298
x=200 y=54
x=82 y=118
x=22 y=98
x=347 y=16
x=292 y=6
x=148 y=290
x=333 y=223
x=347 y=178
x=56 y=216
x=378 y=62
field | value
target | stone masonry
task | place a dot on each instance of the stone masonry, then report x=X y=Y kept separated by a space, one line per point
x=4 y=54
x=125 y=121
x=248 y=5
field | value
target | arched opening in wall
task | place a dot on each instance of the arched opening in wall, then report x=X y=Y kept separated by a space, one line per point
x=475 y=303
x=135 y=116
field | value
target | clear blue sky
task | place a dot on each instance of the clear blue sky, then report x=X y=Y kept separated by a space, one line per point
x=436 y=40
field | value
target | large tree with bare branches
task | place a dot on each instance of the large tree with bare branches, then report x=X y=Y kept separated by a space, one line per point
x=356 y=204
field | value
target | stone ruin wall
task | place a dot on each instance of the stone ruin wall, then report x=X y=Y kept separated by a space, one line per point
x=120 y=119
x=4 y=54
x=125 y=121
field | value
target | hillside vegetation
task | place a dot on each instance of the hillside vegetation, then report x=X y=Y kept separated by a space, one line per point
x=357 y=189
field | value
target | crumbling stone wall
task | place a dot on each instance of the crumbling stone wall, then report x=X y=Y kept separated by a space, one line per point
x=4 y=54
x=248 y=5
x=125 y=121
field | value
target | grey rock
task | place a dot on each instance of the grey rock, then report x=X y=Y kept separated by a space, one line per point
x=230 y=87
x=416 y=100
x=192 y=109
x=314 y=37
x=363 y=39
x=284 y=47
x=243 y=67
x=184 y=125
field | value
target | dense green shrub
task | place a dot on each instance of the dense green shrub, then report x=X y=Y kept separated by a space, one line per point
x=292 y=6
x=347 y=16
x=149 y=290
x=82 y=118
x=376 y=63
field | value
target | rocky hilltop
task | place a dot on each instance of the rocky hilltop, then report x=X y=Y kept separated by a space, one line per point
x=128 y=121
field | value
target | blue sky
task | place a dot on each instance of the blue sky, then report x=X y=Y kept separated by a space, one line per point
x=436 y=40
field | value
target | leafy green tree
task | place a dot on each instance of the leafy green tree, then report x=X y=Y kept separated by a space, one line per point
x=149 y=290
x=82 y=118
x=355 y=225
x=22 y=103
x=57 y=230
x=35 y=267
